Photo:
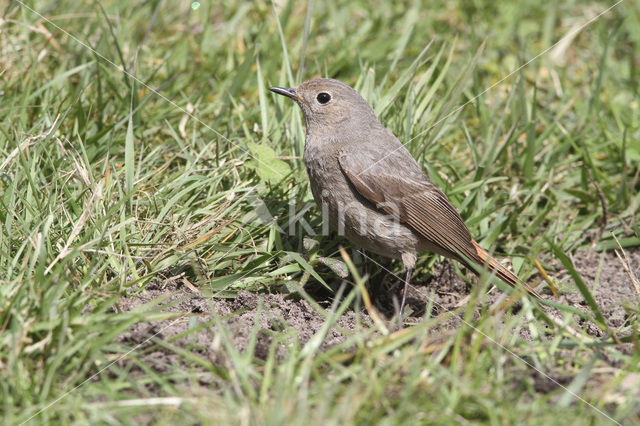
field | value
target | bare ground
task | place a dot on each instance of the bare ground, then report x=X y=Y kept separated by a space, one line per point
x=269 y=316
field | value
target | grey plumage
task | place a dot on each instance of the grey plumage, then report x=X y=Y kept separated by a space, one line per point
x=373 y=190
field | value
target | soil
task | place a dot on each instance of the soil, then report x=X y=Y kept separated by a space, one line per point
x=254 y=321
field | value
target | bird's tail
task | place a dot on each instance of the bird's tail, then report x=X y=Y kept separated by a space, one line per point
x=501 y=272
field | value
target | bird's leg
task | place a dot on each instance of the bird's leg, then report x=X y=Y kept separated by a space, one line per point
x=365 y=264
x=407 y=278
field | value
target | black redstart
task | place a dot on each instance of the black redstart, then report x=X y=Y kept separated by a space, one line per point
x=373 y=190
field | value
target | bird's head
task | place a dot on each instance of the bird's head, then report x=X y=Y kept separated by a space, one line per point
x=329 y=106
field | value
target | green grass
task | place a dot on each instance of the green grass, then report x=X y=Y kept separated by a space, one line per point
x=138 y=138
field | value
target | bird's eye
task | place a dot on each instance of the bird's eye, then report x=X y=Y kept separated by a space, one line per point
x=323 y=97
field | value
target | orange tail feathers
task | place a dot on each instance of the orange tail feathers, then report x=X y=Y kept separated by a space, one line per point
x=501 y=272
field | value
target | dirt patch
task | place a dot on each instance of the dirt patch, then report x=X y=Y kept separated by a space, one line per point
x=253 y=321
x=615 y=291
x=274 y=317
x=609 y=281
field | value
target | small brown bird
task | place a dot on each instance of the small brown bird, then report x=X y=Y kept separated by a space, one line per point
x=372 y=189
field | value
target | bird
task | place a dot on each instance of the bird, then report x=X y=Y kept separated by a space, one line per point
x=372 y=190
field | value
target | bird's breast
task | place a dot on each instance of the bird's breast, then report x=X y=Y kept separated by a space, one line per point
x=348 y=212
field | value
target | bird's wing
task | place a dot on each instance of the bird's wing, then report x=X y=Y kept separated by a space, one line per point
x=393 y=181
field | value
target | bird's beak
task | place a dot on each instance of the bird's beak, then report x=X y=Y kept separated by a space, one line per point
x=288 y=92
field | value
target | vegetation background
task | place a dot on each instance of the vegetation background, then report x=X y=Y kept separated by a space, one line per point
x=139 y=146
